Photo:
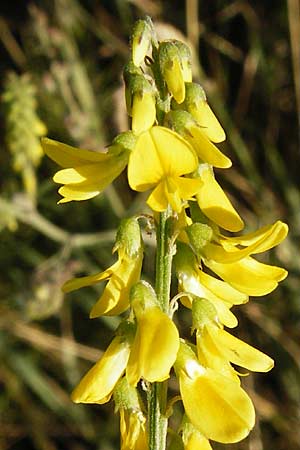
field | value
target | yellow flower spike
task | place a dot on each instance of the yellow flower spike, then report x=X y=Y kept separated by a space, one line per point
x=183 y=123
x=121 y=276
x=216 y=405
x=159 y=160
x=264 y=239
x=196 y=104
x=238 y=352
x=87 y=173
x=156 y=342
x=97 y=385
x=214 y=203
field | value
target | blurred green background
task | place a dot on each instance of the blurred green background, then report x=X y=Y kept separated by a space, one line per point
x=61 y=67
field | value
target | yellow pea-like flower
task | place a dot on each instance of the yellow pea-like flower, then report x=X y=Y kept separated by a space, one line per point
x=98 y=383
x=215 y=404
x=214 y=203
x=159 y=160
x=121 y=276
x=133 y=430
x=156 y=341
x=86 y=173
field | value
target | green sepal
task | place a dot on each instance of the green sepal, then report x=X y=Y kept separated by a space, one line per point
x=129 y=237
x=203 y=313
x=199 y=234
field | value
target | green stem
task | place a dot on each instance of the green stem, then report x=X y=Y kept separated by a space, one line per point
x=157 y=400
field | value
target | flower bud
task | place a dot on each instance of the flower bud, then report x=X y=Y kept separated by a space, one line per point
x=195 y=103
x=142 y=35
x=185 y=124
x=140 y=101
x=175 y=66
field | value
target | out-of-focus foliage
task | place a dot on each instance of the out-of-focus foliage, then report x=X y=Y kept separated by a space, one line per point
x=68 y=55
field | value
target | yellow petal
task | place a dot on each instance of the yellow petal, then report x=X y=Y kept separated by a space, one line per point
x=101 y=173
x=266 y=240
x=159 y=152
x=215 y=204
x=280 y=228
x=197 y=441
x=248 y=276
x=238 y=352
x=175 y=81
x=97 y=385
x=143 y=112
x=115 y=297
x=155 y=347
x=206 y=150
x=191 y=283
x=206 y=119
x=67 y=156
x=78 y=192
x=217 y=406
x=222 y=290
x=77 y=283
x=158 y=200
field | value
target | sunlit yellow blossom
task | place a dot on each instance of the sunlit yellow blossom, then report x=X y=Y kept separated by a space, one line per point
x=219 y=348
x=121 y=276
x=159 y=160
x=86 y=173
x=235 y=265
x=133 y=430
x=183 y=123
x=193 y=280
x=196 y=104
x=97 y=385
x=156 y=341
x=214 y=203
x=216 y=405
x=175 y=66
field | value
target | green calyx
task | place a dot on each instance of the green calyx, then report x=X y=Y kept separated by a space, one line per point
x=129 y=238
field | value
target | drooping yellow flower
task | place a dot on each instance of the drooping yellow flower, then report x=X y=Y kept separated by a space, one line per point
x=133 y=430
x=86 y=173
x=183 y=123
x=217 y=349
x=235 y=265
x=132 y=419
x=98 y=383
x=156 y=341
x=159 y=160
x=196 y=104
x=192 y=279
x=175 y=66
x=215 y=404
x=121 y=276
x=214 y=203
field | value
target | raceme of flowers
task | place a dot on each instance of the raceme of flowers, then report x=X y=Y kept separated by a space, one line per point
x=170 y=152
